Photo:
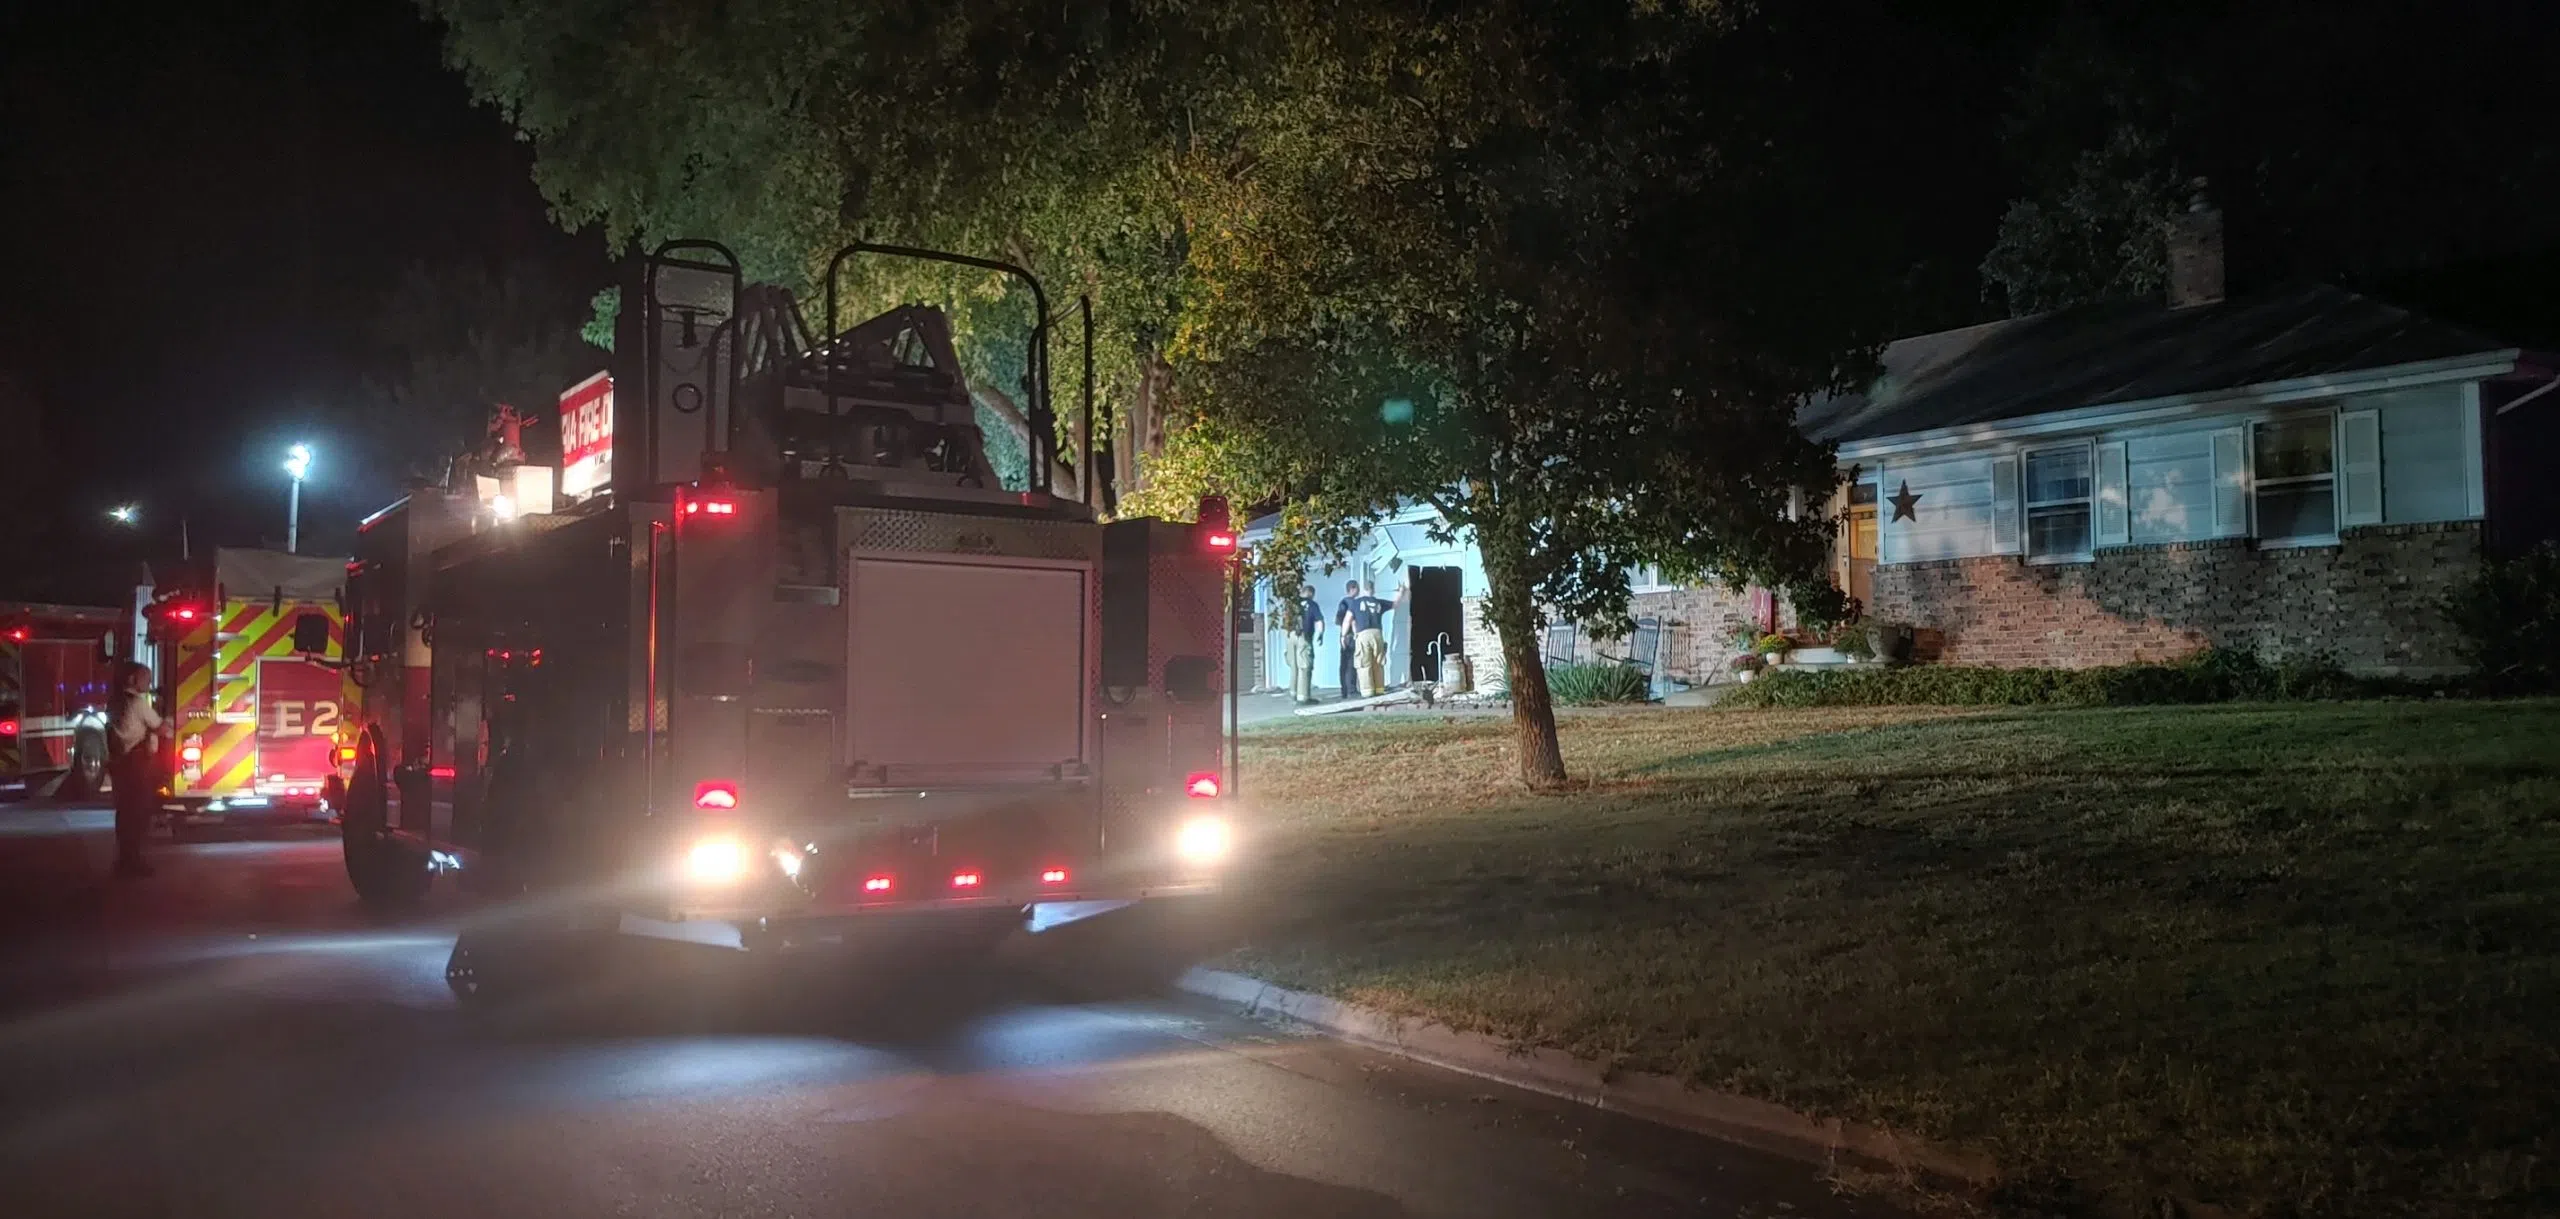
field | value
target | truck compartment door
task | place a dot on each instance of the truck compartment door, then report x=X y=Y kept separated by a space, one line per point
x=966 y=669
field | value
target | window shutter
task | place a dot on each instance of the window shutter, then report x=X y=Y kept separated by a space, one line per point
x=2359 y=468
x=2004 y=504
x=1886 y=549
x=2114 y=512
x=2231 y=482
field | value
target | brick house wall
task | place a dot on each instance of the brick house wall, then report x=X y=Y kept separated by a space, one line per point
x=1698 y=625
x=2370 y=602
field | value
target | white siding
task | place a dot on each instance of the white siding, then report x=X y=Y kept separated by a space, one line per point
x=1954 y=517
x=2169 y=486
x=2425 y=466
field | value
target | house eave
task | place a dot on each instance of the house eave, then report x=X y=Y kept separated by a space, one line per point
x=2476 y=367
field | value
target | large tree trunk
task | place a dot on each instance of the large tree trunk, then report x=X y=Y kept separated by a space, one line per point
x=1062 y=474
x=1511 y=607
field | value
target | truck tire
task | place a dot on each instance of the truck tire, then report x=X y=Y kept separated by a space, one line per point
x=387 y=874
x=88 y=773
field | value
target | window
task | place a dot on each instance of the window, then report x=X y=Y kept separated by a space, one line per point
x=2296 y=479
x=2057 y=489
x=1648 y=579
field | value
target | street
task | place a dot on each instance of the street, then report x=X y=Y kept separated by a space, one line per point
x=236 y=1037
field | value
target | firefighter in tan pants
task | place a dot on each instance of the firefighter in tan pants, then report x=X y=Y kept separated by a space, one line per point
x=1364 y=620
x=1306 y=629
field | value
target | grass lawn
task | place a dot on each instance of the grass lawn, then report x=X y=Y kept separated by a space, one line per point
x=2293 y=960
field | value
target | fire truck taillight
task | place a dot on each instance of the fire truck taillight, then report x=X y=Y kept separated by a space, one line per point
x=1202 y=785
x=876 y=884
x=718 y=795
x=711 y=507
x=8 y=727
x=1054 y=876
x=16 y=634
x=191 y=753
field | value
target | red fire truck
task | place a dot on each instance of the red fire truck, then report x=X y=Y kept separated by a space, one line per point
x=249 y=650
x=56 y=666
x=789 y=660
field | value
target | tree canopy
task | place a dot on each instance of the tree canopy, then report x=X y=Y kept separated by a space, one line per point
x=2349 y=141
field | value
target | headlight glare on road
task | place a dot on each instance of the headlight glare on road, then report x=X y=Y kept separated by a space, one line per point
x=1204 y=840
x=716 y=861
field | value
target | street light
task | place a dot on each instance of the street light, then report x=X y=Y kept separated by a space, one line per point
x=297 y=462
x=125 y=514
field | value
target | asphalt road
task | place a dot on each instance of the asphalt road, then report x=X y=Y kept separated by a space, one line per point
x=235 y=1037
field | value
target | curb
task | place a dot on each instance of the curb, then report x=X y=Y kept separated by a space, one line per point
x=1661 y=1099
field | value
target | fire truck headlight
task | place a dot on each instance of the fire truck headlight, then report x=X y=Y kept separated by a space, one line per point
x=716 y=861
x=1204 y=840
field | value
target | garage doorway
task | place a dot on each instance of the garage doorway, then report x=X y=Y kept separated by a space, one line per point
x=1439 y=616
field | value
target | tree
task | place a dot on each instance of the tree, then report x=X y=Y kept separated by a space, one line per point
x=1564 y=271
x=2430 y=119
x=463 y=339
x=1465 y=262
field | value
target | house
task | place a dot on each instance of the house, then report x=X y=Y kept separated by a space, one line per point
x=2306 y=472
x=2302 y=472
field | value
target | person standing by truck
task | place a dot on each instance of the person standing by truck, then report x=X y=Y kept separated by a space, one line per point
x=133 y=756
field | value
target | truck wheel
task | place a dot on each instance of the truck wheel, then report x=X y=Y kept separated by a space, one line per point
x=88 y=775
x=387 y=874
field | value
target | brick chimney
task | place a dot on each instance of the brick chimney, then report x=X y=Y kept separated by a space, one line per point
x=2195 y=253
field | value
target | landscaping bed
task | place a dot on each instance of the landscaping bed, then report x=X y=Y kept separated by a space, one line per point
x=2289 y=959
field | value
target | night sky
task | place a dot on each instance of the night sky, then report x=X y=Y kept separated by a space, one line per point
x=204 y=208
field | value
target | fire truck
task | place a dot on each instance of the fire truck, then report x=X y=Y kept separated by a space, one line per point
x=56 y=665
x=773 y=653
x=250 y=659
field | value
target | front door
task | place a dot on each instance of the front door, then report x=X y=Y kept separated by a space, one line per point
x=1439 y=620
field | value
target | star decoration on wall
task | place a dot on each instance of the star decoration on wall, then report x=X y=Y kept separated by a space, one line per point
x=1904 y=503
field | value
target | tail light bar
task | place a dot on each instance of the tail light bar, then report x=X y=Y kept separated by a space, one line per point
x=716 y=795
x=1202 y=785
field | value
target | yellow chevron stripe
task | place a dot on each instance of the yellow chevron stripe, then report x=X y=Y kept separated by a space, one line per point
x=242 y=776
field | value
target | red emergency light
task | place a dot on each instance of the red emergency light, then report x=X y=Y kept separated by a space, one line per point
x=1054 y=876
x=718 y=795
x=1217 y=529
x=1202 y=785
x=966 y=880
x=184 y=613
x=8 y=727
x=876 y=884
x=16 y=634
x=711 y=507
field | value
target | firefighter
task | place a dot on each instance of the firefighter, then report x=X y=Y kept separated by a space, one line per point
x=133 y=754
x=1366 y=620
x=1306 y=629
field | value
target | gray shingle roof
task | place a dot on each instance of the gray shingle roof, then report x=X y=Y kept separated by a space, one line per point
x=2129 y=351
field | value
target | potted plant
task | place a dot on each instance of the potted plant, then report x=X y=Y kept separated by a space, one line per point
x=1855 y=641
x=1773 y=647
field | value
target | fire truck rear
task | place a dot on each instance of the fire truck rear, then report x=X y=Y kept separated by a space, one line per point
x=55 y=666
x=783 y=658
x=250 y=646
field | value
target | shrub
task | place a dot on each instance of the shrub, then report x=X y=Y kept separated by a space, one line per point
x=1773 y=644
x=1856 y=641
x=1592 y=682
x=2509 y=618
x=2214 y=676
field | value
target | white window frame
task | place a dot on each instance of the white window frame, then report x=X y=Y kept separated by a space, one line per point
x=2258 y=485
x=1647 y=578
x=2028 y=506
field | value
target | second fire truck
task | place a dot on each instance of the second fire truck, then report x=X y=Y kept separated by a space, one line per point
x=776 y=653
